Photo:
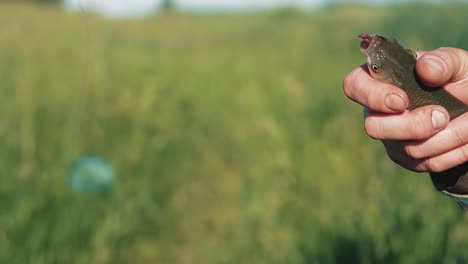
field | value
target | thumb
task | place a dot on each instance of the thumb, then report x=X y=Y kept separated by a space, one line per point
x=443 y=65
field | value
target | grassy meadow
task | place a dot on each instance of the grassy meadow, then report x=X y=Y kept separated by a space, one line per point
x=230 y=134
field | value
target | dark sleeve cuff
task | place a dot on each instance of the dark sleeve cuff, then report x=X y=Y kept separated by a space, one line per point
x=453 y=183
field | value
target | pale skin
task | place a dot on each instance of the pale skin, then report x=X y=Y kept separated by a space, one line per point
x=423 y=140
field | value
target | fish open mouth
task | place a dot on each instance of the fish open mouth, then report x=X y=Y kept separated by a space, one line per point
x=366 y=41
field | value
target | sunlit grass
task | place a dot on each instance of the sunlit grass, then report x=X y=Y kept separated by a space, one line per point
x=241 y=149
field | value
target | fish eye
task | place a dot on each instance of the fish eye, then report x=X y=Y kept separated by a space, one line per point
x=375 y=68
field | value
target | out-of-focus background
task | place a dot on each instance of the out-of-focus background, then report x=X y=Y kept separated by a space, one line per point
x=225 y=129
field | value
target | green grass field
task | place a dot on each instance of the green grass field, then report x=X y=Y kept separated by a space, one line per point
x=231 y=136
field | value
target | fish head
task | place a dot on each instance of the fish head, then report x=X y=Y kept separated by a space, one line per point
x=386 y=59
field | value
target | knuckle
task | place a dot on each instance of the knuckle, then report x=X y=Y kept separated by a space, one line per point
x=375 y=100
x=443 y=53
x=457 y=137
x=464 y=153
x=449 y=51
x=455 y=60
x=419 y=128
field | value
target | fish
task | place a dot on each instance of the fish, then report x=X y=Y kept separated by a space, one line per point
x=390 y=62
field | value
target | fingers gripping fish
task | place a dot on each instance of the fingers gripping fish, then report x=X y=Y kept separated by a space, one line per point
x=390 y=62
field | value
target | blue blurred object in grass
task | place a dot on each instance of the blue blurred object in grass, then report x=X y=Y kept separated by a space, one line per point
x=90 y=174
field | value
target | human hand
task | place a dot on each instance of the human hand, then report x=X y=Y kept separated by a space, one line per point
x=422 y=140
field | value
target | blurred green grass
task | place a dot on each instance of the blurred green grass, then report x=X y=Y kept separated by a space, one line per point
x=235 y=151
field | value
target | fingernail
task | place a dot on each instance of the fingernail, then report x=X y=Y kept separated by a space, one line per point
x=395 y=102
x=438 y=119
